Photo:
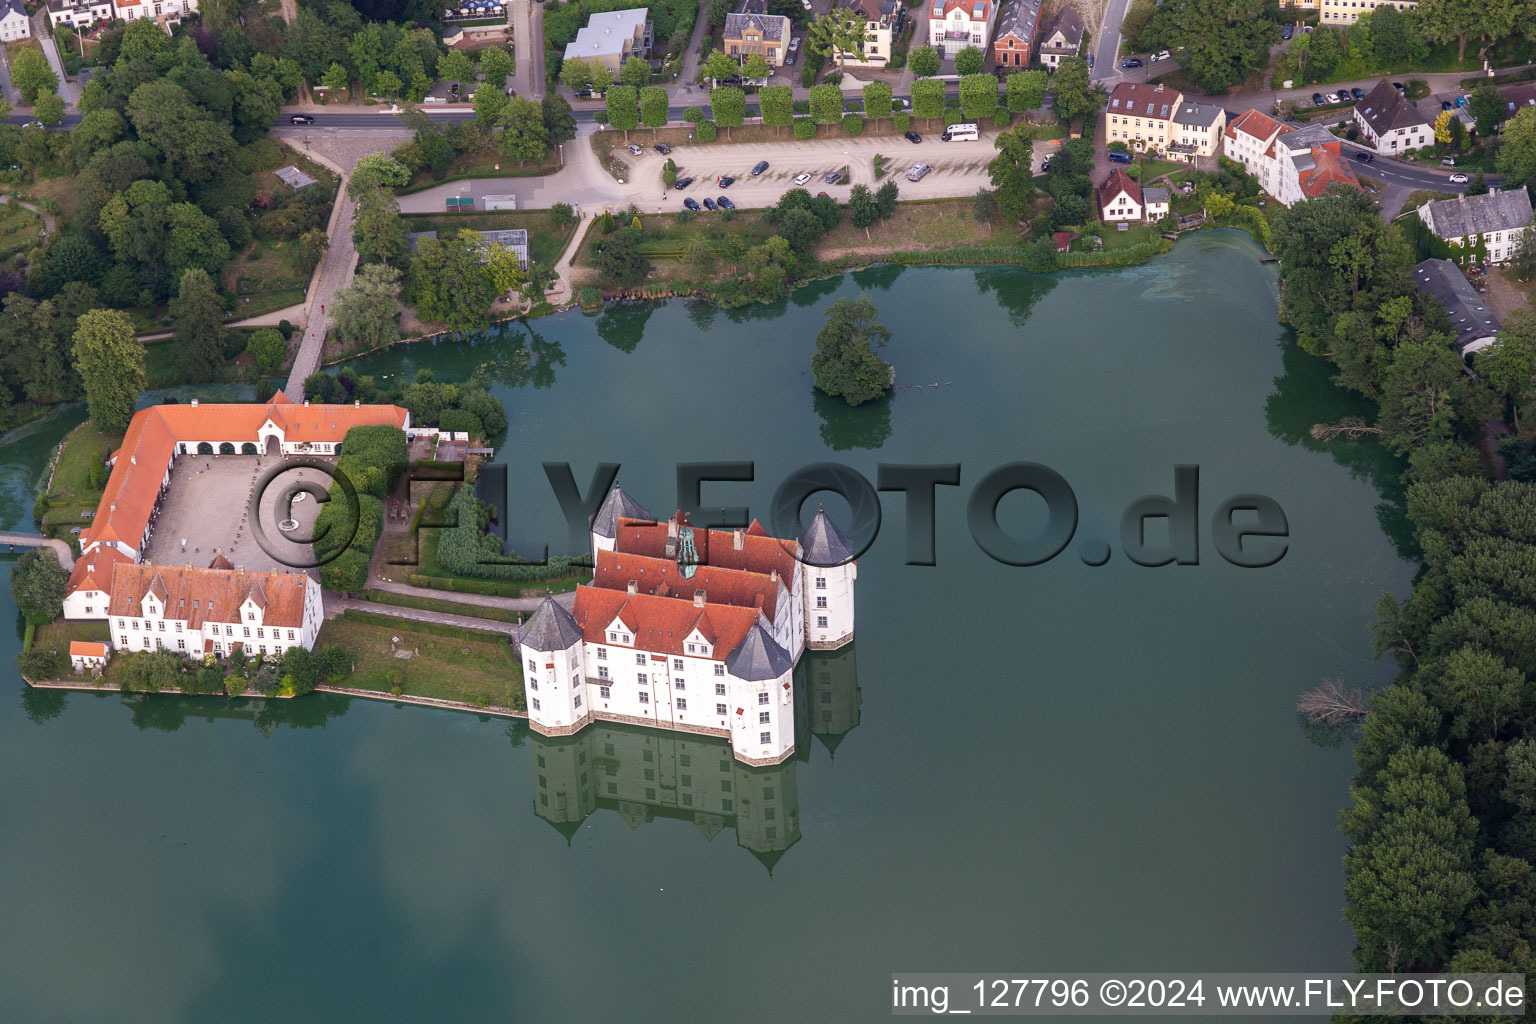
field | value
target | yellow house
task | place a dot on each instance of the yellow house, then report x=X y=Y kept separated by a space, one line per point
x=1347 y=12
x=1142 y=116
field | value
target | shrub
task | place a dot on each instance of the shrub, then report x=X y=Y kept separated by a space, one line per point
x=466 y=550
x=903 y=121
x=853 y=124
x=1002 y=119
x=707 y=131
x=456 y=421
x=43 y=663
x=693 y=115
x=805 y=128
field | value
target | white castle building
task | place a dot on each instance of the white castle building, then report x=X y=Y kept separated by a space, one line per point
x=689 y=629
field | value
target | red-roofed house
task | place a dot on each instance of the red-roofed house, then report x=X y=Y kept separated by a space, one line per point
x=1291 y=164
x=955 y=24
x=211 y=611
x=167 y=12
x=1119 y=198
x=85 y=655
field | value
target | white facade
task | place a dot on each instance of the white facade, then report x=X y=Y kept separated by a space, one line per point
x=955 y=24
x=79 y=13
x=87 y=655
x=829 y=604
x=128 y=10
x=158 y=627
x=1122 y=206
x=14 y=24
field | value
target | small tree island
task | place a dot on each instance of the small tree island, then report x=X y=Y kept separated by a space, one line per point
x=845 y=365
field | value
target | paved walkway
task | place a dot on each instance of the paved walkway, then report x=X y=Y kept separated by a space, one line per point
x=42 y=31
x=31 y=540
x=335 y=604
x=691 y=58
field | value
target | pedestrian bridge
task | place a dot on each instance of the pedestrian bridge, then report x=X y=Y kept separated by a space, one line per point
x=32 y=540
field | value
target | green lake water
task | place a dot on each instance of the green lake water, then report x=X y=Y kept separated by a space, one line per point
x=1054 y=768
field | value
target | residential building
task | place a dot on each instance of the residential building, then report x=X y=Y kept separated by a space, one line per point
x=753 y=30
x=1197 y=129
x=14 y=23
x=1390 y=123
x=167 y=12
x=955 y=24
x=1120 y=198
x=1141 y=116
x=88 y=655
x=1063 y=240
x=1012 y=42
x=880 y=18
x=1061 y=38
x=1347 y=12
x=1516 y=97
x=1489 y=222
x=160 y=434
x=1291 y=164
x=1476 y=326
x=612 y=37
x=79 y=13
x=689 y=629
x=1155 y=203
x=212 y=611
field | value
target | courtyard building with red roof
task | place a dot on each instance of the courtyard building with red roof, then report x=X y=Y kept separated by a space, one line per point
x=1291 y=164
x=212 y=611
x=693 y=629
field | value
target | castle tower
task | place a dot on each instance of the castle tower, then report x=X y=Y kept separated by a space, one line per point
x=605 y=525
x=762 y=694
x=828 y=572
x=553 y=675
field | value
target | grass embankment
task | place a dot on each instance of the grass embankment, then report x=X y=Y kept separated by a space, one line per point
x=263 y=278
x=72 y=492
x=446 y=662
x=58 y=633
x=545 y=241
x=485 y=163
x=1419 y=197
x=437 y=604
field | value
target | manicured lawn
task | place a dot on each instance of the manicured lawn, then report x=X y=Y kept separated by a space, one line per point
x=1156 y=168
x=485 y=163
x=437 y=604
x=545 y=242
x=58 y=633
x=72 y=493
x=264 y=279
x=918 y=225
x=1114 y=238
x=661 y=233
x=477 y=671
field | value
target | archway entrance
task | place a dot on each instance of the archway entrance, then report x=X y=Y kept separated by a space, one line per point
x=204 y=448
x=273 y=446
x=226 y=448
x=248 y=449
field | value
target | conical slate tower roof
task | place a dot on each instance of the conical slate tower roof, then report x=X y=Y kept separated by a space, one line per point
x=552 y=628
x=618 y=504
x=758 y=657
x=823 y=543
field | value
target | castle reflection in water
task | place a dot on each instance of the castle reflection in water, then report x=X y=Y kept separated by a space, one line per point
x=644 y=774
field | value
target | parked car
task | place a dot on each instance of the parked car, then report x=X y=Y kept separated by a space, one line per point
x=1449 y=161
x=1445 y=104
x=682 y=183
x=918 y=172
x=1285 y=33
x=1090 y=62
x=33 y=124
x=822 y=195
x=301 y=119
x=789 y=57
x=724 y=203
x=1461 y=101
x=634 y=149
x=709 y=204
x=1317 y=99
x=725 y=181
x=1364 y=157
x=1130 y=62
x=761 y=166
x=1459 y=179
x=1045 y=165
x=912 y=137
x=802 y=177
x=832 y=178
x=662 y=148
x=1119 y=157
x=691 y=203
x=583 y=94
x=1358 y=93
x=1160 y=55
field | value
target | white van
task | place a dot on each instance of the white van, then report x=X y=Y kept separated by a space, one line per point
x=961 y=133
x=918 y=171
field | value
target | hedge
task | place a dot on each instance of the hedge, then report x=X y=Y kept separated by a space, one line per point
x=706 y=131
x=420 y=626
x=465 y=550
x=903 y=121
x=805 y=128
x=853 y=124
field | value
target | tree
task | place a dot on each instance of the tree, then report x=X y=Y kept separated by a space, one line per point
x=267 y=349
x=1487 y=109
x=927 y=98
x=1220 y=43
x=719 y=66
x=635 y=73
x=335 y=77
x=456 y=66
x=49 y=108
x=729 y=106
x=1446 y=20
x=1442 y=127
x=837 y=35
x=194 y=146
x=969 y=61
x=1422 y=394
x=885 y=200
x=845 y=364
x=1075 y=94
x=388 y=85
x=198 y=311
x=1517 y=154
x=39 y=584
x=1509 y=364
x=861 y=207
x=623 y=109
x=618 y=258
x=454 y=280
x=984 y=206
x=801 y=228
x=576 y=74
x=924 y=62
x=653 y=107
x=490 y=103
x=496 y=66
x=31 y=75
x=755 y=68
x=1012 y=173
x=110 y=361
x=377 y=230
x=877 y=100
x=826 y=104
x=1522 y=256
x=300 y=670
x=602 y=78
x=1395 y=37
x=978 y=96
x=777 y=105
x=559 y=122
x=1026 y=90
x=523 y=137
x=310 y=250
x=193 y=239
x=366 y=313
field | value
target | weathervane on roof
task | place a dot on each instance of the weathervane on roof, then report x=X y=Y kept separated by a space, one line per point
x=687 y=554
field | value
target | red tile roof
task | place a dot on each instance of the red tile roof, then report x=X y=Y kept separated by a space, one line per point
x=195 y=595
x=150 y=441
x=93 y=570
x=661 y=625
x=1330 y=168
x=1257 y=124
x=1117 y=182
x=661 y=576
x=760 y=553
x=87 y=649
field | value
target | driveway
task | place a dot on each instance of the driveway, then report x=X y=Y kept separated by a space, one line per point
x=43 y=33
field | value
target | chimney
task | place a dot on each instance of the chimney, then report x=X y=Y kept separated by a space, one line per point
x=194 y=403
x=773 y=576
x=634 y=588
x=133 y=460
x=306 y=403
x=357 y=403
x=672 y=527
x=739 y=538
x=112 y=507
x=698 y=599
